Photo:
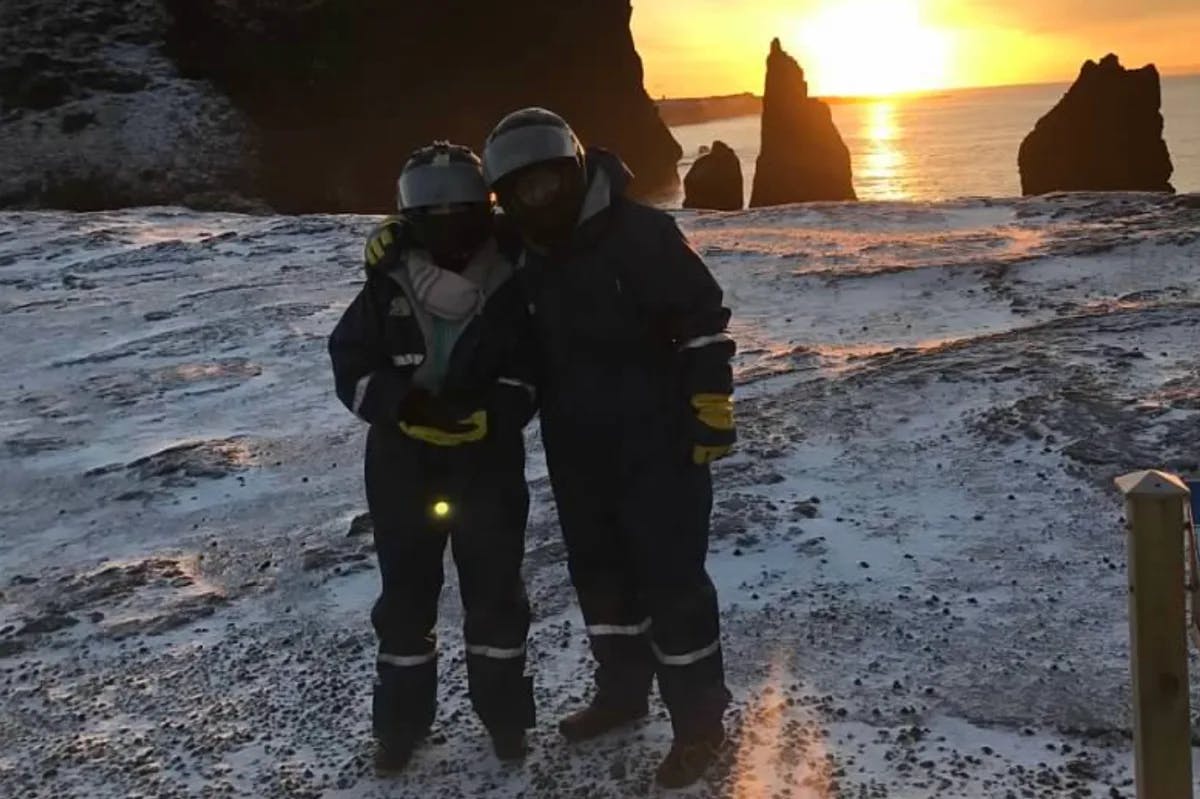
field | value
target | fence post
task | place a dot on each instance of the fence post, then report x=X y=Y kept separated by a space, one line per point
x=1154 y=504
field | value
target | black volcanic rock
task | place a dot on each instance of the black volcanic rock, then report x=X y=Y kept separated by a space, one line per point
x=715 y=181
x=93 y=115
x=299 y=106
x=343 y=90
x=803 y=157
x=1106 y=134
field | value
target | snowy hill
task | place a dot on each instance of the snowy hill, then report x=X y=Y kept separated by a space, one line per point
x=918 y=548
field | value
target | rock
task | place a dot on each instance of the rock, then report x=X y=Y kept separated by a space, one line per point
x=1105 y=134
x=803 y=157
x=216 y=103
x=51 y=621
x=381 y=79
x=361 y=525
x=715 y=181
x=102 y=118
x=10 y=648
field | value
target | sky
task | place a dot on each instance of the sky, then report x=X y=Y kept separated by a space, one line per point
x=866 y=47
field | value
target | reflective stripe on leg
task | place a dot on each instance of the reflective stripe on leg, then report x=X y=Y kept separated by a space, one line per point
x=405 y=661
x=687 y=658
x=619 y=629
x=496 y=653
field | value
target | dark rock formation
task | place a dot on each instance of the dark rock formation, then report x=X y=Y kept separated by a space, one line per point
x=803 y=157
x=308 y=106
x=1106 y=134
x=715 y=181
x=93 y=115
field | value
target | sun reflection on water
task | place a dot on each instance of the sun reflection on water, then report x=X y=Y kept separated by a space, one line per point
x=884 y=160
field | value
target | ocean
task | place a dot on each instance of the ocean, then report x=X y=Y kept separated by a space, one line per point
x=953 y=144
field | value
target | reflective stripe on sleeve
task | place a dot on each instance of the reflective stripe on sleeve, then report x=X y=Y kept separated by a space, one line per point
x=619 y=629
x=687 y=658
x=360 y=393
x=515 y=383
x=494 y=652
x=705 y=341
x=406 y=661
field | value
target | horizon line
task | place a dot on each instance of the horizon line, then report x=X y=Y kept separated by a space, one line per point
x=1188 y=72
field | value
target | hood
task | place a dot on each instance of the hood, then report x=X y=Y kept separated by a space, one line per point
x=608 y=178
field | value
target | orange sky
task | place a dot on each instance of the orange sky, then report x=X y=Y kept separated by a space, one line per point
x=704 y=47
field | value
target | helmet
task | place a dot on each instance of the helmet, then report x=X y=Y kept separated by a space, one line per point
x=525 y=137
x=441 y=174
x=446 y=203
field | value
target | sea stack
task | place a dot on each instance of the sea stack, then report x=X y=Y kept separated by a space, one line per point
x=298 y=107
x=715 y=181
x=1105 y=134
x=803 y=157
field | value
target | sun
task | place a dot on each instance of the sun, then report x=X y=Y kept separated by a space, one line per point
x=870 y=48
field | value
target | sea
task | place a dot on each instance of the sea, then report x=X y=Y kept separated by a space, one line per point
x=950 y=145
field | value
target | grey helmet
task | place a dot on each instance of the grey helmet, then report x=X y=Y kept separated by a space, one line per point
x=441 y=174
x=526 y=137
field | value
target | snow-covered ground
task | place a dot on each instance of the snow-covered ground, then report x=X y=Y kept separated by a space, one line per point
x=918 y=547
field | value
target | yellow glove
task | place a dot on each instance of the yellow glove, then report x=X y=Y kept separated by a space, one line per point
x=382 y=240
x=713 y=433
x=466 y=431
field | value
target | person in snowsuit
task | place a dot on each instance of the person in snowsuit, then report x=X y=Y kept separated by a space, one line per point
x=430 y=354
x=636 y=400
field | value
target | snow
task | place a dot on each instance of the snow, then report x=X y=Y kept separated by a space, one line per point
x=917 y=547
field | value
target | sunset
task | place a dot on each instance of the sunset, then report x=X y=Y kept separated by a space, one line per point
x=874 y=47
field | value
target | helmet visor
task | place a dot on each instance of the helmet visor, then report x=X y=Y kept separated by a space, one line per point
x=440 y=184
x=518 y=148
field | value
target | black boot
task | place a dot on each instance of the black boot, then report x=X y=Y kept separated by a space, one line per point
x=509 y=745
x=402 y=710
x=600 y=717
x=393 y=752
x=689 y=759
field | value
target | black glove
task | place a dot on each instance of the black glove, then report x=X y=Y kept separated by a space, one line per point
x=511 y=404
x=443 y=421
x=386 y=242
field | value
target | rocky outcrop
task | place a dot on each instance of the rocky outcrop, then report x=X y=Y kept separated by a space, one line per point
x=695 y=110
x=299 y=106
x=93 y=115
x=715 y=181
x=803 y=157
x=1106 y=134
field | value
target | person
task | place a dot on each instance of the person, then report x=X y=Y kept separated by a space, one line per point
x=635 y=401
x=430 y=355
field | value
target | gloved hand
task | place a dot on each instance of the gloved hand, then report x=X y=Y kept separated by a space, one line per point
x=385 y=240
x=441 y=421
x=511 y=404
x=713 y=432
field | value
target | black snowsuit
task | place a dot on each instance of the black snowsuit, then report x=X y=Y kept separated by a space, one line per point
x=631 y=325
x=378 y=350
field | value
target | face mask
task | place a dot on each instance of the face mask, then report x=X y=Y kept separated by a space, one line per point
x=454 y=235
x=544 y=200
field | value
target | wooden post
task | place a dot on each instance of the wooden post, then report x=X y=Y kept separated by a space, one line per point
x=1158 y=634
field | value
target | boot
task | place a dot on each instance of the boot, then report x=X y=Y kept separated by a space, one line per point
x=688 y=760
x=598 y=718
x=510 y=746
x=402 y=711
x=393 y=752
